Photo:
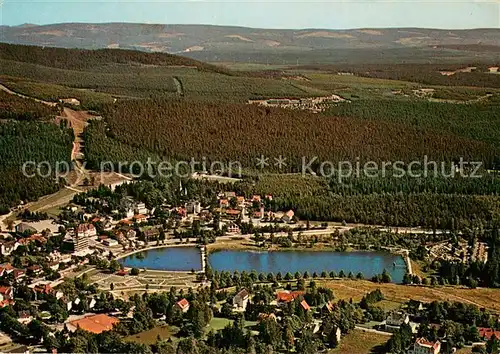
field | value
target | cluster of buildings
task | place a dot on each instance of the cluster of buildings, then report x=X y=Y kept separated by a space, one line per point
x=71 y=101
x=232 y=206
x=462 y=253
x=314 y=104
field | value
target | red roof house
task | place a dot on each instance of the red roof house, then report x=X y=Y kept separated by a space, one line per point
x=487 y=333
x=183 y=305
x=287 y=296
x=6 y=292
x=305 y=305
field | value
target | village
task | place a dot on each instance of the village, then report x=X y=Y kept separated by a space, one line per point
x=40 y=256
x=315 y=104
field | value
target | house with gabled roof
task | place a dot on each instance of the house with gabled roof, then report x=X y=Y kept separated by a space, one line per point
x=287 y=296
x=423 y=346
x=7 y=247
x=240 y=300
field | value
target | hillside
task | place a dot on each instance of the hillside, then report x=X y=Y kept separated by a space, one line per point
x=97 y=76
x=229 y=132
x=226 y=43
x=78 y=59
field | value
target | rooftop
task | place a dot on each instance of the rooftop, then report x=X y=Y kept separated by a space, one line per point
x=96 y=324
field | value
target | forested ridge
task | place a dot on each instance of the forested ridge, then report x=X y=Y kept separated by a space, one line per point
x=18 y=108
x=428 y=74
x=232 y=132
x=22 y=142
x=478 y=121
x=133 y=81
x=89 y=99
x=415 y=209
x=429 y=202
x=99 y=148
x=82 y=59
x=297 y=185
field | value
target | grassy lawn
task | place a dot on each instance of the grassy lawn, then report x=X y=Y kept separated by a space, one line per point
x=51 y=202
x=218 y=323
x=388 y=305
x=359 y=342
x=149 y=337
x=347 y=289
x=464 y=351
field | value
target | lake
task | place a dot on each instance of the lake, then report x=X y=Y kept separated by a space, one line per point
x=187 y=258
x=368 y=263
x=168 y=258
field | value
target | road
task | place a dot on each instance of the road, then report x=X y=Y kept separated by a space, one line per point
x=77 y=120
x=371 y=330
x=6 y=89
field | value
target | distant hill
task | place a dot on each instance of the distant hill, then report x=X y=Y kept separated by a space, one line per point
x=83 y=59
x=225 y=43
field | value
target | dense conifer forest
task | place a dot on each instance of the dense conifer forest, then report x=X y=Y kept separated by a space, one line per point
x=100 y=148
x=18 y=108
x=36 y=142
x=80 y=59
x=439 y=203
x=224 y=132
x=478 y=121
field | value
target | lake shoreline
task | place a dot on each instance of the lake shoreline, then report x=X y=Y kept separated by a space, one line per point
x=186 y=257
x=368 y=263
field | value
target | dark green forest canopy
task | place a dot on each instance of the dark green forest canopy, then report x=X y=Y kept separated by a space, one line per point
x=477 y=121
x=36 y=142
x=429 y=202
x=81 y=59
x=15 y=107
x=230 y=132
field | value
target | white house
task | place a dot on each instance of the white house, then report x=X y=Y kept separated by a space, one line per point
x=7 y=247
x=240 y=300
x=141 y=209
x=233 y=228
x=87 y=230
x=193 y=207
x=423 y=346
x=395 y=320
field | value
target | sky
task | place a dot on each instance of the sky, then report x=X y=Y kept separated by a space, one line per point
x=339 y=14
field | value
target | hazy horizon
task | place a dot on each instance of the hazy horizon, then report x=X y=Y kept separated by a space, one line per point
x=326 y=14
x=249 y=27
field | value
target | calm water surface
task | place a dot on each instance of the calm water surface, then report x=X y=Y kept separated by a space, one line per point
x=368 y=263
x=173 y=258
x=187 y=258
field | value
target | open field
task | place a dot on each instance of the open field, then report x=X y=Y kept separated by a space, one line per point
x=355 y=289
x=150 y=337
x=356 y=87
x=52 y=201
x=360 y=342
